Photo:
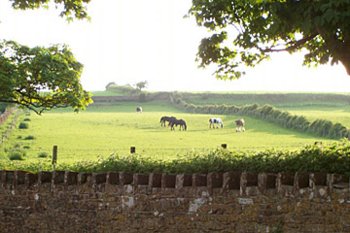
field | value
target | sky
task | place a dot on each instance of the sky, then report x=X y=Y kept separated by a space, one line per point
x=131 y=41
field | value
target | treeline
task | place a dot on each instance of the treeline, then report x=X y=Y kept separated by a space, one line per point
x=322 y=128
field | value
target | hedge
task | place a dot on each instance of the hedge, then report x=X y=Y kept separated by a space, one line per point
x=319 y=127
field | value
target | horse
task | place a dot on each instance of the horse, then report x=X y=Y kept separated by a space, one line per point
x=217 y=122
x=240 y=125
x=165 y=119
x=177 y=122
x=139 y=109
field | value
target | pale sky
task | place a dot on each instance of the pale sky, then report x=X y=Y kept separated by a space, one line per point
x=130 y=41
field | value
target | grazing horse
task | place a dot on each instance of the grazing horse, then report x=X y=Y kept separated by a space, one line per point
x=177 y=122
x=139 y=109
x=165 y=119
x=240 y=125
x=217 y=122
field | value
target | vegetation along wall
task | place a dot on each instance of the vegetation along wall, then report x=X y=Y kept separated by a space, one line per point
x=215 y=202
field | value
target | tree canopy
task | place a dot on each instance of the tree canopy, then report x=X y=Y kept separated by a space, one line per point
x=141 y=85
x=42 y=78
x=70 y=9
x=246 y=32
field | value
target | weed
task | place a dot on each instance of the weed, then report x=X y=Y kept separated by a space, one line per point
x=43 y=154
x=29 y=137
x=23 y=125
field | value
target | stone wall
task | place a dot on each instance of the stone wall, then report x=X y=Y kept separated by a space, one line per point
x=216 y=202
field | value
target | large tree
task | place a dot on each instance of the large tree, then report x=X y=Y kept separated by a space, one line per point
x=245 y=32
x=42 y=78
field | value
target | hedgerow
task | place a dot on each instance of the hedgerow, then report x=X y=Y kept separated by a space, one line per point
x=319 y=127
x=333 y=158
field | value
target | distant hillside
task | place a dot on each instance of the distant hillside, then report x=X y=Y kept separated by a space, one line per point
x=275 y=99
x=103 y=97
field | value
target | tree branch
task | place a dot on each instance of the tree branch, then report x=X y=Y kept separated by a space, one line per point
x=295 y=45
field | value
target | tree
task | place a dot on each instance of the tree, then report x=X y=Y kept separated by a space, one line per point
x=40 y=78
x=141 y=85
x=110 y=84
x=70 y=9
x=43 y=78
x=261 y=27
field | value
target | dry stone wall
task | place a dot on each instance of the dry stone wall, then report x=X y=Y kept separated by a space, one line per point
x=65 y=201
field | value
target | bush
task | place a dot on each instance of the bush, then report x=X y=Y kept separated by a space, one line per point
x=26 y=119
x=26 y=147
x=16 y=155
x=23 y=125
x=334 y=158
x=43 y=154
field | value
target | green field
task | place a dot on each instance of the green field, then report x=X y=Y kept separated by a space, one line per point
x=106 y=129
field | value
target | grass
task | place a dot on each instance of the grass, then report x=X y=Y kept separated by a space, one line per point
x=105 y=129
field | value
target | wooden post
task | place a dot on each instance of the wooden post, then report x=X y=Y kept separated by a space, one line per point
x=54 y=156
x=132 y=150
x=224 y=146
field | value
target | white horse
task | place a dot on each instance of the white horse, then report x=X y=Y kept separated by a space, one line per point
x=240 y=125
x=216 y=122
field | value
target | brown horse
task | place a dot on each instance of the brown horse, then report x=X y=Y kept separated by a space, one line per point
x=165 y=119
x=177 y=122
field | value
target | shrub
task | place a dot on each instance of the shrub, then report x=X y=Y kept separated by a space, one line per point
x=43 y=154
x=26 y=119
x=26 y=147
x=23 y=125
x=16 y=155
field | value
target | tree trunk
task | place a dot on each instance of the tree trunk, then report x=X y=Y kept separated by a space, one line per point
x=344 y=57
x=340 y=50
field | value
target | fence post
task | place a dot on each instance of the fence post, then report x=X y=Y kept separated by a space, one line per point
x=54 y=157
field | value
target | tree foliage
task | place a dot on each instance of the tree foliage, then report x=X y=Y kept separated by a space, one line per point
x=42 y=78
x=245 y=32
x=70 y=9
x=141 y=85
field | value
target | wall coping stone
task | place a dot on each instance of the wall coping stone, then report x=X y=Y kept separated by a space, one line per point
x=243 y=183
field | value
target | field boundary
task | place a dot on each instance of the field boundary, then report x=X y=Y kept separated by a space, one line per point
x=319 y=127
